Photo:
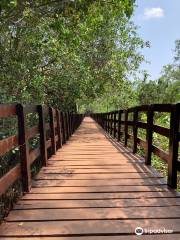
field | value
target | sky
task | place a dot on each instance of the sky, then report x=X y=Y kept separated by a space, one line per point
x=159 y=23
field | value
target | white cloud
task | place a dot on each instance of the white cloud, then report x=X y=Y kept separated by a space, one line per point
x=153 y=13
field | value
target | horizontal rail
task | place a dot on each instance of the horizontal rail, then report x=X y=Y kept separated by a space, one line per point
x=7 y=110
x=34 y=154
x=160 y=153
x=142 y=125
x=162 y=107
x=9 y=178
x=142 y=143
x=161 y=130
x=8 y=144
x=32 y=132
x=48 y=143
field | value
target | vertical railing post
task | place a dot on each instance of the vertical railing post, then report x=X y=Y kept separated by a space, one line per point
x=70 y=121
x=58 y=119
x=42 y=130
x=109 y=123
x=135 y=119
x=67 y=125
x=106 y=122
x=114 y=133
x=23 y=148
x=111 y=128
x=63 y=128
x=149 y=135
x=52 y=129
x=119 y=126
x=75 y=121
x=126 y=128
x=102 y=122
x=173 y=146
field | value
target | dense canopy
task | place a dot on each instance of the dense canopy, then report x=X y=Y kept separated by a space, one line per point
x=66 y=53
x=73 y=54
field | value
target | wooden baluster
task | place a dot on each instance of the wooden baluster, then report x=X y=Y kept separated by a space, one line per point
x=149 y=135
x=24 y=149
x=135 y=119
x=63 y=127
x=173 y=146
x=69 y=130
x=58 y=119
x=106 y=122
x=70 y=123
x=101 y=120
x=109 y=123
x=73 y=123
x=67 y=126
x=42 y=130
x=111 y=129
x=126 y=128
x=115 y=130
x=52 y=129
x=119 y=125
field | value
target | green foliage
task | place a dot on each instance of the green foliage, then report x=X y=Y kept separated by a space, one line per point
x=67 y=53
x=166 y=89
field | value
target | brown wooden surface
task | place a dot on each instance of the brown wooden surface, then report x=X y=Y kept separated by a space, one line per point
x=145 y=237
x=8 y=144
x=7 y=110
x=9 y=178
x=34 y=154
x=94 y=189
x=52 y=127
x=42 y=131
x=24 y=146
x=108 y=121
x=32 y=132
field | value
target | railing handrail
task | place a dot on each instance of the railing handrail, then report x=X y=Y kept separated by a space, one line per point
x=112 y=122
x=61 y=127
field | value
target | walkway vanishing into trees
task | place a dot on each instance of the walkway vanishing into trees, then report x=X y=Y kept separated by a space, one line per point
x=94 y=188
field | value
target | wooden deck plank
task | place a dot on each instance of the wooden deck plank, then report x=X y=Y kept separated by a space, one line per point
x=144 y=237
x=85 y=228
x=94 y=213
x=124 y=195
x=94 y=190
x=97 y=169
x=99 y=203
x=122 y=168
x=106 y=175
x=52 y=181
x=98 y=189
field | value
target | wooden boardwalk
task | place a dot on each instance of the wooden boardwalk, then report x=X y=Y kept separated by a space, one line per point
x=94 y=189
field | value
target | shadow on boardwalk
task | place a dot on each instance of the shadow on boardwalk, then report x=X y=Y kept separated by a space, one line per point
x=94 y=188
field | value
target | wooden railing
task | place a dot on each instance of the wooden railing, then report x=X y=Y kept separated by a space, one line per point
x=53 y=128
x=112 y=122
